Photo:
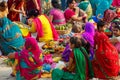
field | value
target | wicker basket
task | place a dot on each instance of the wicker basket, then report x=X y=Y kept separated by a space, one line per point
x=62 y=32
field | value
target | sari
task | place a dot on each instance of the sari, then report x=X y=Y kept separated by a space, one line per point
x=45 y=29
x=14 y=16
x=11 y=39
x=28 y=62
x=116 y=3
x=109 y=15
x=29 y=5
x=86 y=6
x=81 y=73
x=106 y=62
x=88 y=35
x=99 y=6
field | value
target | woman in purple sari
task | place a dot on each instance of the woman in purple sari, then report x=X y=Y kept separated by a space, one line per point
x=88 y=35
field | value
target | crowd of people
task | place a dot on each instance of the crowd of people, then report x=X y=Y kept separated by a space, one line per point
x=94 y=40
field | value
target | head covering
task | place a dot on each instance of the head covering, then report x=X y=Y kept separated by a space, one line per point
x=29 y=61
x=109 y=15
x=32 y=44
x=89 y=28
x=88 y=35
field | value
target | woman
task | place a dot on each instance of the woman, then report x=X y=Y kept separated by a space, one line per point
x=106 y=61
x=10 y=35
x=15 y=8
x=33 y=4
x=42 y=25
x=79 y=67
x=73 y=13
x=88 y=35
x=28 y=61
x=56 y=15
x=86 y=6
x=99 y=6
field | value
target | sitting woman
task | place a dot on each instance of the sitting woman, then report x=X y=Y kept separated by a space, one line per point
x=28 y=62
x=56 y=15
x=106 y=61
x=11 y=39
x=41 y=24
x=88 y=35
x=79 y=67
x=73 y=13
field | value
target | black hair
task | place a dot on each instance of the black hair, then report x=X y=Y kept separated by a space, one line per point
x=33 y=12
x=69 y=2
x=3 y=6
x=117 y=25
x=78 y=42
x=55 y=4
x=100 y=24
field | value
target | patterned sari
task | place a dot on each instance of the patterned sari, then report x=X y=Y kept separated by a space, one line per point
x=14 y=16
x=10 y=37
x=106 y=62
x=28 y=62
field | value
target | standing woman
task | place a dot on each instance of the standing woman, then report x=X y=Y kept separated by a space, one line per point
x=15 y=8
x=106 y=61
x=33 y=4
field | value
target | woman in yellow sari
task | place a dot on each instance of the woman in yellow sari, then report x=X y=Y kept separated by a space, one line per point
x=41 y=25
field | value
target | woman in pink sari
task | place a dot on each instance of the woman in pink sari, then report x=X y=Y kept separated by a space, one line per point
x=28 y=62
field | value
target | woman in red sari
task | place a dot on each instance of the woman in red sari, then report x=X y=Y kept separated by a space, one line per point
x=106 y=62
x=15 y=7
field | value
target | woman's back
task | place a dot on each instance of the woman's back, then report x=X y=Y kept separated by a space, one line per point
x=58 y=16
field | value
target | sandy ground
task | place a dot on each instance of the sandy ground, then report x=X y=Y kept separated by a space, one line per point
x=5 y=71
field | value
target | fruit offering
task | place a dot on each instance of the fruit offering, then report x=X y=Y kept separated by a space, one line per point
x=63 y=27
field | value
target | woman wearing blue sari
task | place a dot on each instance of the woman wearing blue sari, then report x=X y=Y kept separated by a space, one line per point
x=99 y=6
x=10 y=35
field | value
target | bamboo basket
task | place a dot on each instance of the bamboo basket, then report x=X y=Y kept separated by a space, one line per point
x=62 y=32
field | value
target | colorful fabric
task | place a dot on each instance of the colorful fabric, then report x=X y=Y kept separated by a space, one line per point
x=14 y=16
x=116 y=3
x=109 y=15
x=28 y=62
x=88 y=35
x=58 y=17
x=68 y=14
x=45 y=29
x=10 y=36
x=29 y=3
x=106 y=62
x=97 y=8
x=86 y=6
x=80 y=73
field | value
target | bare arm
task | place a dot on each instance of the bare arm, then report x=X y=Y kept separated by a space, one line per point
x=11 y=55
x=70 y=63
x=114 y=40
x=15 y=10
x=36 y=4
x=51 y=17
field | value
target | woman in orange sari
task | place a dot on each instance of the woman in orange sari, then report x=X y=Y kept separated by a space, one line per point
x=15 y=7
x=106 y=62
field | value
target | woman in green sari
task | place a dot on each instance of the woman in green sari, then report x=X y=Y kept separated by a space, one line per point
x=79 y=67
